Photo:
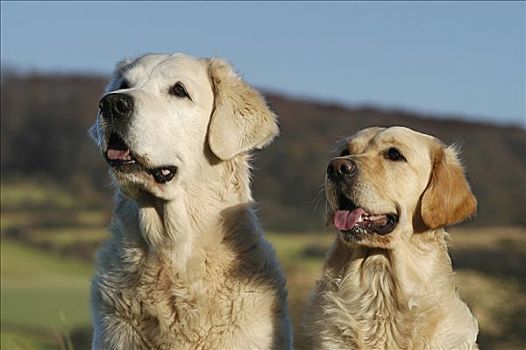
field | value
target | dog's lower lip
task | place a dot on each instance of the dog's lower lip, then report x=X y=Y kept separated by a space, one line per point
x=386 y=228
x=121 y=159
x=360 y=221
x=163 y=174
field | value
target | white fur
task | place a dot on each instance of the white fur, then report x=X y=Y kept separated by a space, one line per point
x=186 y=266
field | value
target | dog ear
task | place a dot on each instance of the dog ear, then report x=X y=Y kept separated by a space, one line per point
x=241 y=120
x=448 y=198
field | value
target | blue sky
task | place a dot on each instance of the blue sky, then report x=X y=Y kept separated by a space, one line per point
x=465 y=58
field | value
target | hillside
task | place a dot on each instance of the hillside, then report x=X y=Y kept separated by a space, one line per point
x=45 y=118
x=290 y=171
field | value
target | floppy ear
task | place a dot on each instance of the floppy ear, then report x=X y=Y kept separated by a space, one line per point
x=448 y=198
x=241 y=119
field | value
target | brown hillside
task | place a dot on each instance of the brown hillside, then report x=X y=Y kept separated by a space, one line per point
x=290 y=172
x=45 y=118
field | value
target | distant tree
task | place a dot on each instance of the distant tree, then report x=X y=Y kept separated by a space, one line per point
x=45 y=118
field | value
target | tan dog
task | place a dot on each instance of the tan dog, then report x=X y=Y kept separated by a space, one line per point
x=388 y=281
x=186 y=266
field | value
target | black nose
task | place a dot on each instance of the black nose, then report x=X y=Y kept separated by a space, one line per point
x=340 y=167
x=116 y=106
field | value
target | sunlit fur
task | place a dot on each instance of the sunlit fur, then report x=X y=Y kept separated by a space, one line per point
x=396 y=291
x=186 y=266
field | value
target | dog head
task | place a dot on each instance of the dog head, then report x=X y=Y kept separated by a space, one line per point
x=166 y=120
x=394 y=181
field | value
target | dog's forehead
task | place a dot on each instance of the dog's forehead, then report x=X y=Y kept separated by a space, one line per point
x=403 y=135
x=414 y=145
x=167 y=67
x=378 y=138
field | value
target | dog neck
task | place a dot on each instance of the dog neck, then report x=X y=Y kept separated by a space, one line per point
x=194 y=220
x=415 y=262
x=406 y=286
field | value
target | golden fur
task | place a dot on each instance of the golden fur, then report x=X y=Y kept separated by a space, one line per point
x=396 y=291
x=186 y=266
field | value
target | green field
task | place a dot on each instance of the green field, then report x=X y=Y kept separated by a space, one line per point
x=46 y=264
x=42 y=294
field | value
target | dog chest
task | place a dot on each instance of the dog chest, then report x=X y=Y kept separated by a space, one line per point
x=169 y=308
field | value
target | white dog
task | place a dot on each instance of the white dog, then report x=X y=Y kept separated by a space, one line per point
x=388 y=282
x=186 y=266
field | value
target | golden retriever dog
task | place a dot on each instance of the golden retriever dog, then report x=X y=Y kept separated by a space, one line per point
x=186 y=266
x=388 y=281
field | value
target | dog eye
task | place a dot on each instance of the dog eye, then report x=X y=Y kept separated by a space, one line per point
x=124 y=84
x=394 y=155
x=178 y=90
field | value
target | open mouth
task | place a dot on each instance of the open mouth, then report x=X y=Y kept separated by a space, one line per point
x=120 y=158
x=350 y=218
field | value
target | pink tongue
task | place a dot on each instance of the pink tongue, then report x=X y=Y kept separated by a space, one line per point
x=115 y=154
x=344 y=220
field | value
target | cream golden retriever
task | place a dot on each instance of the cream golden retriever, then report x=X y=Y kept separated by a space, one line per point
x=388 y=282
x=186 y=266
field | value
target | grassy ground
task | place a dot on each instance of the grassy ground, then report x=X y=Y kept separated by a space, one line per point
x=47 y=258
x=43 y=295
x=489 y=265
